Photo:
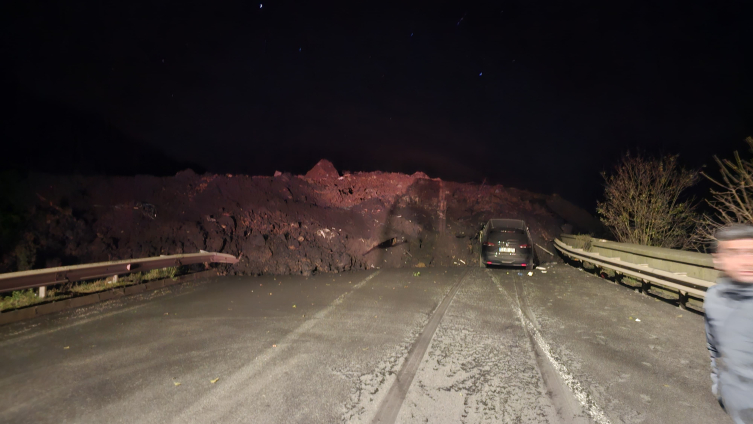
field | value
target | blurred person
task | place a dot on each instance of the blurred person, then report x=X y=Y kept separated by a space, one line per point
x=729 y=322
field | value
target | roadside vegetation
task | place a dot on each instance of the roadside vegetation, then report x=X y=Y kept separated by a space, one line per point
x=645 y=203
x=731 y=198
x=23 y=298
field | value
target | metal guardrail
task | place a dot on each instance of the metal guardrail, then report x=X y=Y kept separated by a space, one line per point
x=64 y=274
x=693 y=264
x=669 y=268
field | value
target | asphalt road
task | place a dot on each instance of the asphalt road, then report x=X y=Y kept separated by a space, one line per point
x=448 y=346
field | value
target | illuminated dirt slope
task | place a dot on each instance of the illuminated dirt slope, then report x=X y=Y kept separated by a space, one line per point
x=318 y=222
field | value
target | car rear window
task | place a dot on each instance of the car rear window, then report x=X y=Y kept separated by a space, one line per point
x=506 y=234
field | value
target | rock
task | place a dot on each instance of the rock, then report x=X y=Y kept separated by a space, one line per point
x=256 y=240
x=419 y=174
x=323 y=169
x=278 y=173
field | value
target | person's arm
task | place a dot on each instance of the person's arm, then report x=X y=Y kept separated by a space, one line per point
x=714 y=353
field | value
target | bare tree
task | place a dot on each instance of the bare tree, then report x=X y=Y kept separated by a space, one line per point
x=732 y=200
x=643 y=202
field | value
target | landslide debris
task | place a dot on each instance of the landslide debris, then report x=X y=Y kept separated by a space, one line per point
x=284 y=224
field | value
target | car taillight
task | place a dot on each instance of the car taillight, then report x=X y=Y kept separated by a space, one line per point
x=489 y=244
x=522 y=264
x=525 y=246
x=488 y=263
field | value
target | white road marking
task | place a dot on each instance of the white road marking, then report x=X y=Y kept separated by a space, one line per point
x=231 y=389
x=75 y=324
x=75 y=314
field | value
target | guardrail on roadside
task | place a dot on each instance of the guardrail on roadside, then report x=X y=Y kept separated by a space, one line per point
x=688 y=273
x=64 y=274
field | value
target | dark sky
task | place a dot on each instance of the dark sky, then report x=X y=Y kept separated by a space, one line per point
x=541 y=95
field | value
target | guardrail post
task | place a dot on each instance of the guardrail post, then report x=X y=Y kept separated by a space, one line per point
x=683 y=300
x=645 y=287
x=42 y=292
x=115 y=278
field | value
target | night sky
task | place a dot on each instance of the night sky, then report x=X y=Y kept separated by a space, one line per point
x=541 y=95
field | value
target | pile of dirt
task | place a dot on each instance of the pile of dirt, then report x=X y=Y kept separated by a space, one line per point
x=285 y=224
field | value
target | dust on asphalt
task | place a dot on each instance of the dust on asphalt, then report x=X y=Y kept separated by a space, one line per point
x=480 y=367
x=328 y=348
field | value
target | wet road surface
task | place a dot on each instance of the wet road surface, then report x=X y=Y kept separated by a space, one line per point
x=449 y=345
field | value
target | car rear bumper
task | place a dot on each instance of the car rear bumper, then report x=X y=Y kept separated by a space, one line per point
x=509 y=261
x=522 y=264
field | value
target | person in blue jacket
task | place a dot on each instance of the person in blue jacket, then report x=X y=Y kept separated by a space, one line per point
x=729 y=322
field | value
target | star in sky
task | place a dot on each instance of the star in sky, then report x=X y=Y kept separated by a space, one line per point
x=461 y=19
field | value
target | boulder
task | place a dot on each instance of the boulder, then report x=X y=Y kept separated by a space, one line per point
x=323 y=169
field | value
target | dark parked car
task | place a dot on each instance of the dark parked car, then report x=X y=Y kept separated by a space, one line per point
x=506 y=242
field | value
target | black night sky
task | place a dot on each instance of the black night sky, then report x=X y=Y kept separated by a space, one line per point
x=541 y=95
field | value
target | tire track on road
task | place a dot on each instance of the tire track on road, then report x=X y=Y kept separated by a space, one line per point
x=391 y=404
x=553 y=371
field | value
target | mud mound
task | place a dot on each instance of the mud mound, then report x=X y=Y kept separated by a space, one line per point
x=286 y=224
x=322 y=170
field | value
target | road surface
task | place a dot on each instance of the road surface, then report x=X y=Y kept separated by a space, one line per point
x=451 y=345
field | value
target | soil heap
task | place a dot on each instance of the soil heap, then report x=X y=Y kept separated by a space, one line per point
x=285 y=224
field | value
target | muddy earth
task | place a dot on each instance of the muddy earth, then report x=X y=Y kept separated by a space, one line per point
x=283 y=224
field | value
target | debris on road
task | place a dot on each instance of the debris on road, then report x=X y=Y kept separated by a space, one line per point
x=530 y=273
x=213 y=381
x=176 y=383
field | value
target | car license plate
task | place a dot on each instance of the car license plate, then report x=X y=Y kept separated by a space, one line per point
x=507 y=249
